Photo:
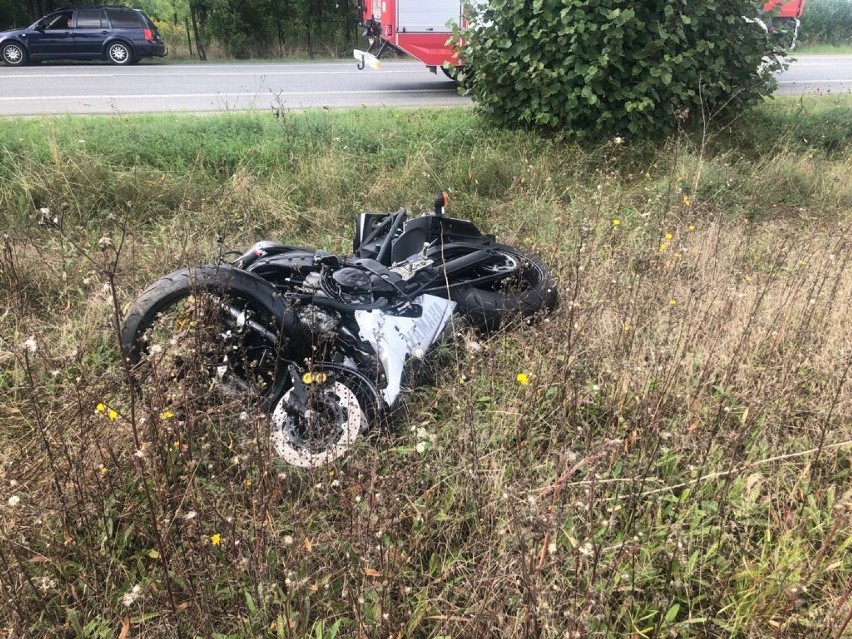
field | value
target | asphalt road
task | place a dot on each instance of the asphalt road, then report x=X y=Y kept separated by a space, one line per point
x=100 y=88
x=817 y=75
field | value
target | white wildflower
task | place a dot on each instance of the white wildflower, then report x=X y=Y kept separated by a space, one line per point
x=46 y=583
x=14 y=500
x=30 y=344
x=130 y=597
x=420 y=447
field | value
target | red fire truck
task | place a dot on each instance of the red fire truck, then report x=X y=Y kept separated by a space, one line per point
x=420 y=28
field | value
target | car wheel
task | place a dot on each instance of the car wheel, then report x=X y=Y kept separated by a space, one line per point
x=119 y=53
x=14 y=54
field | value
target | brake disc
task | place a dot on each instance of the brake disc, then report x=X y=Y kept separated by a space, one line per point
x=320 y=430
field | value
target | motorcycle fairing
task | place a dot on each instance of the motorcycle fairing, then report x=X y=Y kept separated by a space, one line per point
x=396 y=338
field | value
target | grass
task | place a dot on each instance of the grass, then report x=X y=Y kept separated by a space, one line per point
x=678 y=464
x=807 y=48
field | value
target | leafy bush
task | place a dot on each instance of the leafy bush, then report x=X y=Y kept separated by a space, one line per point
x=827 y=22
x=603 y=68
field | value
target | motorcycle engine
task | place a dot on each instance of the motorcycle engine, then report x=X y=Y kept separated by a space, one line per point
x=353 y=285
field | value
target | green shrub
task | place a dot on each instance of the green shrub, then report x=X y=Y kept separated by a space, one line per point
x=606 y=67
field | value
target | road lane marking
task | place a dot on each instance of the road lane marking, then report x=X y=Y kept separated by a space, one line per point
x=793 y=65
x=161 y=96
x=71 y=76
x=813 y=81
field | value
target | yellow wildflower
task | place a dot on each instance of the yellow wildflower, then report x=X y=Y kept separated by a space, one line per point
x=166 y=414
x=113 y=415
x=673 y=302
x=686 y=200
x=523 y=380
x=616 y=222
x=216 y=539
x=101 y=407
x=691 y=227
x=669 y=236
x=313 y=378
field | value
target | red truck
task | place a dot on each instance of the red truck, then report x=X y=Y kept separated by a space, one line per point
x=420 y=28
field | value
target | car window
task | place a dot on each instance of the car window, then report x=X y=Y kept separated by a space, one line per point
x=89 y=19
x=123 y=18
x=57 y=21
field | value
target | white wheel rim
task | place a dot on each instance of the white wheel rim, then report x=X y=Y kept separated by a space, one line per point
x=12 y=54
x=118 y=53
x=356 y=421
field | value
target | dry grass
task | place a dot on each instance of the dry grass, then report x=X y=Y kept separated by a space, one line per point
x=678 y=464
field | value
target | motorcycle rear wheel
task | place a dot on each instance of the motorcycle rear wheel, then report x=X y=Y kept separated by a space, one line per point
x=513 y=284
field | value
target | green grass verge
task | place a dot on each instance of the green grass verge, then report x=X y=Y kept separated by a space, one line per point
x=677 y=465
x=823 y=49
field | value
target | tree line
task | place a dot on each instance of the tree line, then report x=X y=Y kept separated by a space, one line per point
x=242 y=28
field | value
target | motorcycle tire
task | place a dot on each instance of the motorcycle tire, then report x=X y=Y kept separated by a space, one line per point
x=213 y=321
x=527 y=289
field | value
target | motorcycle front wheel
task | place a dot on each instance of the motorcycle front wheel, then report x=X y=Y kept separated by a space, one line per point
x=509 y=284
x=211 y=329
x=322 y=414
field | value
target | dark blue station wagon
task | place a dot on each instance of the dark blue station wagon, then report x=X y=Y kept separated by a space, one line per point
x=118 y=34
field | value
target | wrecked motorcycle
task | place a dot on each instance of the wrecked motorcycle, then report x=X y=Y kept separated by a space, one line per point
x=321 y=341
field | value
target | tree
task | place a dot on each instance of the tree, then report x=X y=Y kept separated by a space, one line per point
x=608 y=67
x=20 y=13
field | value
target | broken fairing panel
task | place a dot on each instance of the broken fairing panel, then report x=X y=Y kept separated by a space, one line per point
x=396 y=338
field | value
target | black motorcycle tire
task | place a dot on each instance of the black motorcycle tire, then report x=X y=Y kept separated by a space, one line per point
x=247 y=290
x=487 y=307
